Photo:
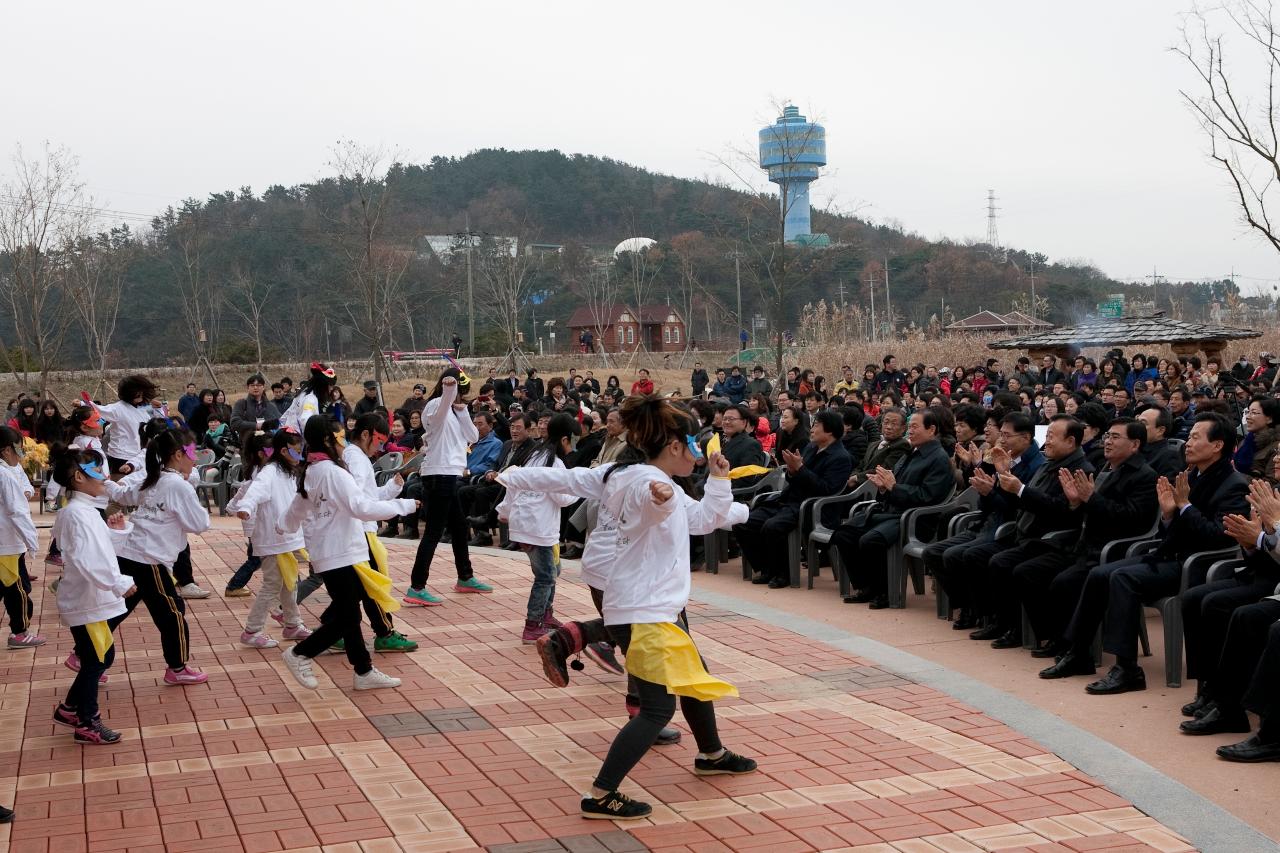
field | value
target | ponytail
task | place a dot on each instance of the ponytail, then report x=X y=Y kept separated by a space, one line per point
x=651 y=423
x=65 y=460
x=10 y=437
x=161 y=450
x=256 y=444
x=320 y=434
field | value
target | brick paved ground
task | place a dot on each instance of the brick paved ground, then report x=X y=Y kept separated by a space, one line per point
x=476 y=751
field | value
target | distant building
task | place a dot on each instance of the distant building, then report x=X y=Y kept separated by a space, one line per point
x=656 y=328
x=443 y=246
x=792 y=150
x=990 y=321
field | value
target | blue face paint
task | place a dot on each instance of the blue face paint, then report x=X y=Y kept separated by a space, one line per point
x=92 y=471
x=293 y=453
x=693 y=446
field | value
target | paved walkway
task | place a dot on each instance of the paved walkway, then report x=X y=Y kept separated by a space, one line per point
x=476 y=751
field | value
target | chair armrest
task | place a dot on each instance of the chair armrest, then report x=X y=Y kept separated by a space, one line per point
x=1142 y=546
x=911 y=518
x=756 y=500
x=1006 y=531
x=816 y=505
x=1200 y=558
x=1224 y=569
x=963 y=518
x=1061 y=537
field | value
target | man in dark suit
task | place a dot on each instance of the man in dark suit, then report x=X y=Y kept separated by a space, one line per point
x=1120 y=502
x=822 y=471
x=1251 y=678
x=739 y=446
x=886 y=452
x=1042 y=509
x=1163 y=457
x=948 y=559
x=1192 y=511
x=921 y=478
x=1049 y=372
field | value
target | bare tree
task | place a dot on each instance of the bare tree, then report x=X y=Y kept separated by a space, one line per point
x=600 y=290
x=1239 y=114
x=248 y=296
x=375 y=265
x=96 y=271
x=43 y=212
x=506 y=285
x=186 y=231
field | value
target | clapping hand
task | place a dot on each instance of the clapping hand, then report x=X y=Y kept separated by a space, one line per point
x=1182 y=489
x=982 y=482
x=793 y=460
x=1001 y=459
x=1010 y=483
x=883 y=478
x=1265 y=503
x=1069 y=490
x=1244 y=530
x=1165 y=495
x=1085 y=484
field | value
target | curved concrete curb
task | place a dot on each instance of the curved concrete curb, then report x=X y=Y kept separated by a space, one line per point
x=1206 y=825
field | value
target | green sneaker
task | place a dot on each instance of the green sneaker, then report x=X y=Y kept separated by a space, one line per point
x=472 y=584
x=394 y=642
x=340 y=646
x=422 y=598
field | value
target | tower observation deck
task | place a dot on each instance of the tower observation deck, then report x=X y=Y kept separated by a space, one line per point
x=792 y=150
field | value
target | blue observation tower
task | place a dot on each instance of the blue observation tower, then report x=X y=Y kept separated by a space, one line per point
x=792 y=150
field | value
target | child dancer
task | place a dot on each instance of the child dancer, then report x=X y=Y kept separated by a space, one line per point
x=533 y=519
x=272 y=472
x=449 y=431
x=139 y=402
x=92 y=591
x=314 y=398
x=167 y=510
x=83 y=431
x=17 y=539
x=333 y=506
x=643 y=603
x=367 y=440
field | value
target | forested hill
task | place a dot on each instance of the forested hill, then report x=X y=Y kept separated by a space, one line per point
x=290 y=269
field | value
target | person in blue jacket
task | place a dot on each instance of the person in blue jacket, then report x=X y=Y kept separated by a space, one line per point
x=736 y=386
x=1140 y=372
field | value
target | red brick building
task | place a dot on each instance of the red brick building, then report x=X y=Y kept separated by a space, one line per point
x=655 y=328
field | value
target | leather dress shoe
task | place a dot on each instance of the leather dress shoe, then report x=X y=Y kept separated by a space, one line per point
x=1008 y=640
x=479 y=522
x=1218 y=721
x=880 y=602
x=1196 y=706
x=480 y=540
x=779 y=583
x=1049 y=650
x=965 y=622
x=988 y=633
x=1118 y=680
x=759 y=579
x=1069 y=664
x=1251 y=750
x=860 y=596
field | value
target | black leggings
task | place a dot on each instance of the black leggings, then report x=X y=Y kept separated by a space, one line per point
x=340 y=620
x=182 y=572
x=657 y=707
x=379 y=619
x=168 y=611
x=17 y=599
x=82 y=696
x=441 y=508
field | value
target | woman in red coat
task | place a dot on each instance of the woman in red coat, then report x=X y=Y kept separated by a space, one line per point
x=643 y=385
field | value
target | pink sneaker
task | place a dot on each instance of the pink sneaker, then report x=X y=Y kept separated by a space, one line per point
x=53 y=560
x=64 y=716
x=549 y=620
x=297 y=632
x=256 y=640
x=278 y=615
x=184 y=676
x=73 y=663
x=25 y=640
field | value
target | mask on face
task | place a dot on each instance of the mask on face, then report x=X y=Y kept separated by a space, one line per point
x=92 y=471
x=190 y=450
x=341 y=438
x=293 y=453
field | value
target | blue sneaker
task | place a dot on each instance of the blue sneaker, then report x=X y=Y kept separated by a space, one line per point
x=422 y=598
x=472 y=584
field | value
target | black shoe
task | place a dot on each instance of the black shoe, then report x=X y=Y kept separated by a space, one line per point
x=409 y=533
x=1252 y=750
x=1118 y=680
x=479 y=522
x=615 y=806
x=779 y=583
x=1196 y=706
x=1008 y=640
x=1069 y=664
x=990 y=632
x=511 y=546
x=759 y=579
x=966 y=621
x=1205 y=708
x=728 y=762
x=6 y=815
x=572 y=551
x=389 y=531
x=667 y=736
x=860 y=596
x=480 y=540
x=1218 y=721
x=880 y=602
x=446 y=538
x=1053 y=650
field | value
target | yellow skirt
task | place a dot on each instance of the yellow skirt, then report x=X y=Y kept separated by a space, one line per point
x=664 y=654
x=100 y=634
x=377 y=581
x=9 y=569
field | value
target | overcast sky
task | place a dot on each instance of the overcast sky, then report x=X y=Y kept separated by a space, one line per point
x=1070 y=111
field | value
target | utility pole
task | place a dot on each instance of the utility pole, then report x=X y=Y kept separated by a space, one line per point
x=888 y=302
x=871 y=288
x=737 y=275
x=841 y=296
x=1033 y=291
x=1154 y=281
x=471 y=293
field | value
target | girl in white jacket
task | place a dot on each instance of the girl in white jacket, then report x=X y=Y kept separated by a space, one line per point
x=167 y=509
x=333 y=507
x=533 y=522
x=92 y=592
x=139 y=402
x=17 y=539
x=449 y=430
x=272 y=473
x=644 y=602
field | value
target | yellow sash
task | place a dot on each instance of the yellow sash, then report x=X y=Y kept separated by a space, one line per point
x=287 y=563
x=662 y=653
x=9 y=569
x=713 y=445
x=747 y=471
x=379 y=552
x=100 y=634
x=303 y=556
